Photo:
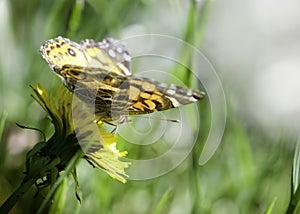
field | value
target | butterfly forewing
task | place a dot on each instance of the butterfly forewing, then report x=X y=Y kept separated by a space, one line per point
x=110 y=53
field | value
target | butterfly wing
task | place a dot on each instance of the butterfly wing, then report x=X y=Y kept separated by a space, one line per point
x=109 y=55
x=119 y=95
x=99 y=74
x=147 y=96
x=61 y=51
x=93 y=71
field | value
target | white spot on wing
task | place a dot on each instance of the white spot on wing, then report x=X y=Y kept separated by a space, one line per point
x=124 y=69
x=126 y=57
x=192 y=99
x=119 y=50
x=174 y=101
x=111 y=53
x=171 y=91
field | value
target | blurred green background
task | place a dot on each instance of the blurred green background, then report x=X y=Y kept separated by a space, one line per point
x=251 y=45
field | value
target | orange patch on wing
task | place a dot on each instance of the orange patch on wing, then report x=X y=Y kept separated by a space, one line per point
x=134 y=93
x=140 y=106
x=145 y=95
x=148 y=86
x=151 y=105
x=155 y=97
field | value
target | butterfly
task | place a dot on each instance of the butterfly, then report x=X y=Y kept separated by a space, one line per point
x=99 y=74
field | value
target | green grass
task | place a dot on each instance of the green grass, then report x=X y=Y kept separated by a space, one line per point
x=249 y=173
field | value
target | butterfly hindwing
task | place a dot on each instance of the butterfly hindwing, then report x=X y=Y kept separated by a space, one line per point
x=146 y=96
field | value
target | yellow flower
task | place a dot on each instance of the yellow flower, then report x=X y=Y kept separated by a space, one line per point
x=76 y=135
x=75 y=130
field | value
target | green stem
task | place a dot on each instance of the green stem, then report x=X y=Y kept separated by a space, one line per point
x=67 y=171
x=294 y=201
x=195 y=183
x=12 y=200
x=38 y=170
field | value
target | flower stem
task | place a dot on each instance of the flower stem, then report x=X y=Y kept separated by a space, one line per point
x=12 y=200
x=38 y=170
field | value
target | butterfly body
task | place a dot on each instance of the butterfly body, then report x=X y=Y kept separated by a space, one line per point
x=99 y=75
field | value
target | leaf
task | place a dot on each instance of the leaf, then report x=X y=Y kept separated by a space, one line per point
x=163 y=201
